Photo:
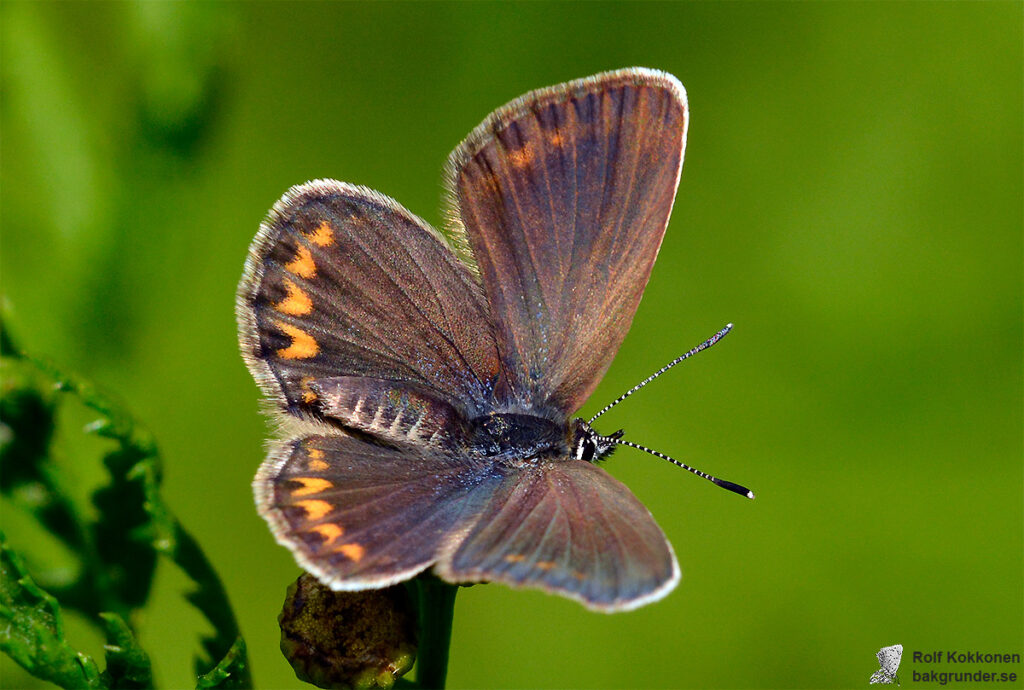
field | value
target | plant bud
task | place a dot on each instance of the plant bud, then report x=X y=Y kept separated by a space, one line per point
x=355 y=640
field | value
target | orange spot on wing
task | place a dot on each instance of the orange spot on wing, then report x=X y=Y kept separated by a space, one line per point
x=514 y=558
x=296 y=303
x=316 y=460
x=302 y=265
x=303 y=344
x=323 y=236
x=353 y=551
x=315 y=509
x=556 y=138
x=329 y=531
x=521 y=157
x=545 y=565
x=311 y=485
x=308 y=396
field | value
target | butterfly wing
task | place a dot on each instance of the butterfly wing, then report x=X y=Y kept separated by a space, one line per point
x=881 y=676
x=889 y=658
x=567 y=527
x=562 y=197
x=344 y=282
x=359 y=515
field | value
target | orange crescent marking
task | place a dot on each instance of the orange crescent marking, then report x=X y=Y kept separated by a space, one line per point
x=329 y=532
x=322 y=236
x=311 y=485
x=297 y=303
x=315 y=509
x=303 y=344
x=353 y=551
x=514 y=558
x=545 y=565
x=302 y=265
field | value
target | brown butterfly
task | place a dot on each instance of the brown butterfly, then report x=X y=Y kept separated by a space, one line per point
x=426 y=392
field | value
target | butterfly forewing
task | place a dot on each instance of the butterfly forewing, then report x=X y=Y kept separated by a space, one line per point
x=563 y=197
x=889 y=660
x=359 y=515
x=569 y=527
x=342 y=281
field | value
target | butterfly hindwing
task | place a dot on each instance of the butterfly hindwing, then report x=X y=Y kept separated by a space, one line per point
x=358 y=515
x=567 y=526
x=342 y=281
x=563 y=197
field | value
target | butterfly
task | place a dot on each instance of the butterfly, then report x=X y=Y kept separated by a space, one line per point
x=889 y=660
x=425 y=390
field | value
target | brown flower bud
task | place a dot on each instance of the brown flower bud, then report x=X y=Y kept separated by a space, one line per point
x=355 y=640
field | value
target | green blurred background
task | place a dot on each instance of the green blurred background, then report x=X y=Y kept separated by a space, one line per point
x=851 y=200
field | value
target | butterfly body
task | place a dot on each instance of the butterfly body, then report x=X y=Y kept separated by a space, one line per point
x=427 y=390
x=517 y=437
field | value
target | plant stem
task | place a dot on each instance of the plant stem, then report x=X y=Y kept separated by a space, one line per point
x=437 y=606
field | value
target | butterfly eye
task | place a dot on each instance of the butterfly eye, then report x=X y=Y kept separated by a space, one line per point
x=585 y=449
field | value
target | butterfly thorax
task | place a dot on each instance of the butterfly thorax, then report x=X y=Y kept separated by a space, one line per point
x=512 y=436
x=515 y=436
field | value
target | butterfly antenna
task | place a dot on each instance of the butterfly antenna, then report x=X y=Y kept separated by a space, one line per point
x=735 y=488
x=703 y=346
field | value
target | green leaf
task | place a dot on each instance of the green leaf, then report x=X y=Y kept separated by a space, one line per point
x=128 y=664
x=134 y=525
x=209 y=596
x=27 y=472
x=232 y=669
x=32 y=629
x=231 y=672
x=133 y=504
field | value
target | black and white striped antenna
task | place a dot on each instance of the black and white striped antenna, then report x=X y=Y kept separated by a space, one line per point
x=615 y=439
x=703 y=346
x=730 y=486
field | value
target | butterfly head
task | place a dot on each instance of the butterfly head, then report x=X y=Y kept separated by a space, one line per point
x=590 y=446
